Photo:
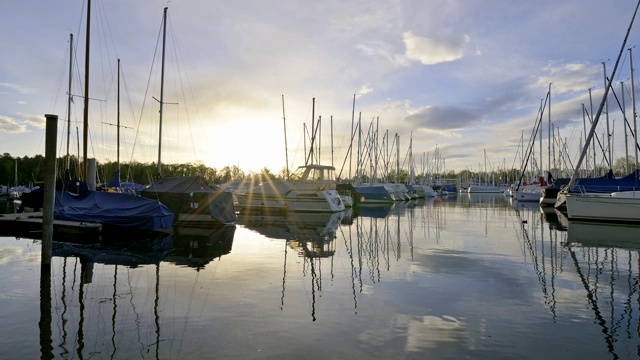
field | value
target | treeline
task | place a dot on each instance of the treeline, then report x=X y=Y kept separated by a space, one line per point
x=31 y=170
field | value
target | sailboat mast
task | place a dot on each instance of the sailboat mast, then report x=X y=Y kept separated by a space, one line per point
x=164 y=40
x=633 y=103
x=118 y=116
x=606 y=112
x=353 y=114
x=604 y=97
x=549 y=137
x=286 y=149
x=397 y=158
x=85 y=130
x=626 y=134
x=412 y=175
x=69 y=97
x=331 y=123
x=375 y=150
x=358 y=166
x=593 y=143
x=541 y=169
x=313 y=126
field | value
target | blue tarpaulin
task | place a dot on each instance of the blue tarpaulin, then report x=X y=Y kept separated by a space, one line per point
x=114 y=209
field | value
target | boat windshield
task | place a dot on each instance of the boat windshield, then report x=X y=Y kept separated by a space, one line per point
x=313 y=173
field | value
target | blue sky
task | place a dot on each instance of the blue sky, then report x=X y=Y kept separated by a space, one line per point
x=463 y=76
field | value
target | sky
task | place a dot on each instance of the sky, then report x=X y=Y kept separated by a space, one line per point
x=245 y=79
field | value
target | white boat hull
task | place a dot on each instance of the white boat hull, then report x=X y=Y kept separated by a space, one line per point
x=485 y=189
x=603 y=208
x=296 y=201
x=531 y=194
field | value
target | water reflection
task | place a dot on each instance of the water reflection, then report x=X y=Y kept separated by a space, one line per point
x=606 y=261
x=405 y=279
x=311 y=237
x=81 y=307
x=196 y=247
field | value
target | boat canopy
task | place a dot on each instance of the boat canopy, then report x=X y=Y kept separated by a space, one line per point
x=314 y=172
x=124 y=185
x=180 y=194
x=119 y=209
x=607 y=184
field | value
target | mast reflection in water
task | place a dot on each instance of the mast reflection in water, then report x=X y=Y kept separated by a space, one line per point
x=467 y=276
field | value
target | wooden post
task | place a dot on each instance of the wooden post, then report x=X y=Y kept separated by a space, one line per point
x=46 y=347
x=91 y=175
x=49 y=190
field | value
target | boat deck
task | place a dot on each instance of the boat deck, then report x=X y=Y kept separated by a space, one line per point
x=30 y=225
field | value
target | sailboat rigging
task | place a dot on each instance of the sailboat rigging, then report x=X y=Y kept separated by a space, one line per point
x=193 y=199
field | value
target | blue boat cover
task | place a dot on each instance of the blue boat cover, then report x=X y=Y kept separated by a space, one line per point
x=126 y=186
x=120 y=254
x=607 y=184
x=372 y=194
x=114 y=209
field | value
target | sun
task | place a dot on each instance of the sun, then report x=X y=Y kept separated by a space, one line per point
x=250 y=144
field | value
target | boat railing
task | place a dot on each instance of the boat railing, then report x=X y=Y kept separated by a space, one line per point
x=604 y=189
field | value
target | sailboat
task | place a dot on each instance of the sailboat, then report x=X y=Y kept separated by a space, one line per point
x=485 y=188
x=193 y=199
x=532 y=192
x=622 y=205
x=311 y=188
x=75 y=201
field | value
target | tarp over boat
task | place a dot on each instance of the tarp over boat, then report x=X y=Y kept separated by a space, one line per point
x=607 y=184
x=193 y=195
x=126 y=186
x=372 y=193
x=113 y=209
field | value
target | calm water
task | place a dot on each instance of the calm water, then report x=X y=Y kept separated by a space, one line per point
x=463 y=277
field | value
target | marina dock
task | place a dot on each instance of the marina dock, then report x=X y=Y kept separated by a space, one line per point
x=30 y=225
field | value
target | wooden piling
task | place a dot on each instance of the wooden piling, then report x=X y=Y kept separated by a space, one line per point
x=49 y=190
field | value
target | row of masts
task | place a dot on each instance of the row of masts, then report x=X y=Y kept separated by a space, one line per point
x=372 y=156
x=85 y=169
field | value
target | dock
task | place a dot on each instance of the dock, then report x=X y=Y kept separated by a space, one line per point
x=29 y=225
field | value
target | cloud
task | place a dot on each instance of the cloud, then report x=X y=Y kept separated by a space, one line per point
x=571 y=77
x=10 y=126
x=10 y=253
x=383 y=50
x=18 y=88
x=434 y=51
x=365 y=89
x=35 y=121
x=441 y=118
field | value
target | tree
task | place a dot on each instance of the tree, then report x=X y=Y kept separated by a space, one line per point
x=621 y=167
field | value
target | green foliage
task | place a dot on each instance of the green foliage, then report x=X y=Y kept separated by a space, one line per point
x=32 y=170
x=622 y=168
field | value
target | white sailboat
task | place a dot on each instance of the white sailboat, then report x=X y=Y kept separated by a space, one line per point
x=485 y=188
x=311 y=188
x=615 y=207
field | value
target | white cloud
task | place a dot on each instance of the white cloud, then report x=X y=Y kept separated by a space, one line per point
x=18 y=88
x=10 y=126
x=365 y=89
x=383 y=50
x=434 y=51
x=35 y=121
x=571 y=77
